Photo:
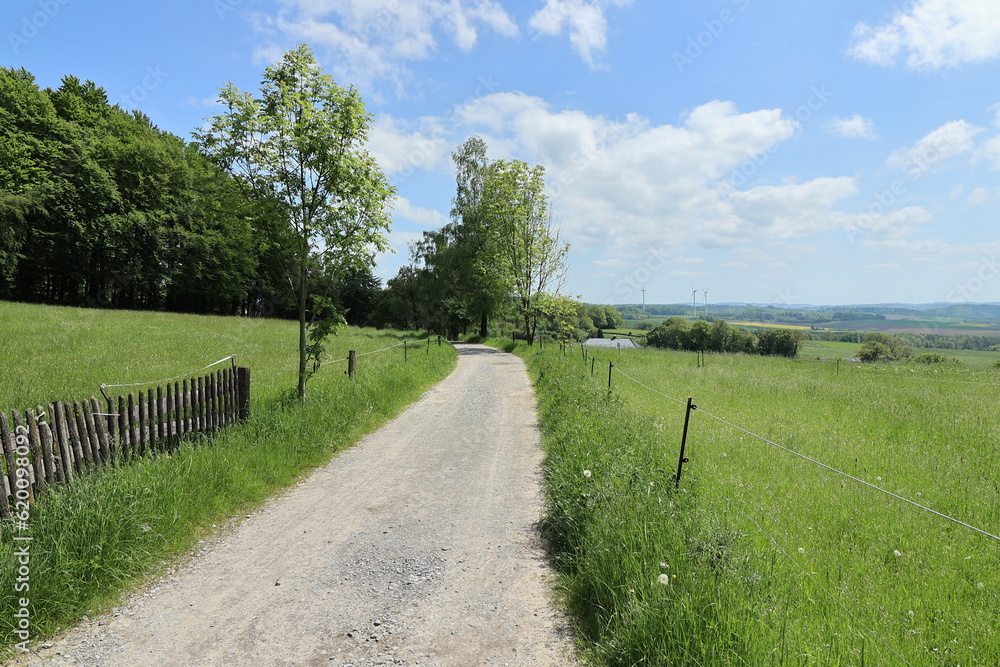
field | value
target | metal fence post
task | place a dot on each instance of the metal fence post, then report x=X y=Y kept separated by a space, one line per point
x=684 y=436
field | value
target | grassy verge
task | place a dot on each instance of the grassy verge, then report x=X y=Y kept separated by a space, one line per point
x=94 y=540
x=777 y=561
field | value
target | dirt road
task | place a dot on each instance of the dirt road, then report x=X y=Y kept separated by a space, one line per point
x=416 y=547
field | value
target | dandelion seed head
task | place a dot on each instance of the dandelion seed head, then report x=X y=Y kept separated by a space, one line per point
x=801 y=550
x=664 y=579
x=587 y=473
x=896 y=553
x=980 y=585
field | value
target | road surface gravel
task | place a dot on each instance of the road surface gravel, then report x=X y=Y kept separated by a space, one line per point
x=418 y=546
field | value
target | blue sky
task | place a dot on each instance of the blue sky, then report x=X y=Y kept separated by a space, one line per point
x=780 y=152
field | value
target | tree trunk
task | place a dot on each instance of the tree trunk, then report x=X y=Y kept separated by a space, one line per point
x=302 y=330
x=483 y=330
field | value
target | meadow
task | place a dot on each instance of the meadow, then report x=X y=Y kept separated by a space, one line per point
x=761 y=556
x=113 y=529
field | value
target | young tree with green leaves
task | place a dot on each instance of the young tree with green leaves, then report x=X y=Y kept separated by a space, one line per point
x=524 y=241
x=299 y=150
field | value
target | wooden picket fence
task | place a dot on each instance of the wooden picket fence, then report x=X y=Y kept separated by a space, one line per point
x=57 y=443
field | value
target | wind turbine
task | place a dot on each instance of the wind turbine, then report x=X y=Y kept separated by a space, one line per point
x=694 y=302
x=706 y=301
x=644 y=298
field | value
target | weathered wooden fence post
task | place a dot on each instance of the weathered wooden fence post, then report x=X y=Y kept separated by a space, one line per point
x=352 y=363
x=243 y=389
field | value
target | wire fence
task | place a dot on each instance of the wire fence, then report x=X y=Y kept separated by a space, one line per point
x=614 y=368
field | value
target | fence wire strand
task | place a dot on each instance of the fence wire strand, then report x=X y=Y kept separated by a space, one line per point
x=337 y=361
x=178 y=377
x=823 y=465
x=850 y=476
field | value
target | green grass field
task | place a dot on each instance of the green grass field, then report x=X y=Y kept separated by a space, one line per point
x=111 y=530
x=771 y=559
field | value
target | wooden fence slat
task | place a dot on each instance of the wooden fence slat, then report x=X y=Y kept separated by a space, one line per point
x=8 y=466
x=220 y=383
x=61 y=437
x=169 y=417
x=183 y=410
x=213 y=402
x=7 y=437
x=143 y=421
x=95 y=443
x=41 y=465
x=196 y=404
x=20 y=428
x=77 y=435
x=102 y=434
x=133 y=425
x=65 y=442
x=45 y=434
x=158 y=419
x=243 y=383
x=230 y=396
x=111 y=425
x=123 y=433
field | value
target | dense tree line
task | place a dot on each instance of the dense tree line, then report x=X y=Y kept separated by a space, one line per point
x=678 y=334
x=101 y=208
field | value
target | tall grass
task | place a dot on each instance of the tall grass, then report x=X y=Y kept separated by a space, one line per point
x=778 y=561
x=95 y=539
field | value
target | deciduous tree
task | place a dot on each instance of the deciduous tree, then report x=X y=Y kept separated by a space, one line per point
x=301 y=146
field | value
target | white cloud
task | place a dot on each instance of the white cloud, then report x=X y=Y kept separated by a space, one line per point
x=584 y=19
x=932 y=34
x=948 y=141
x=400 y=150
x=980 y=196
x=736 y=265
x=404 y=208
x=992 y=151
x=689 y=260
x=855 y=127
x=374 y=39
x=625 y=183
x=893 y=224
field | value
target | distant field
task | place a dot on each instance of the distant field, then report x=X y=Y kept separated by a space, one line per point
x=770 y=325
x=938 y=326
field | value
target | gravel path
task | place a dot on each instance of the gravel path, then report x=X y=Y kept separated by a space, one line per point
x=416 y=547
